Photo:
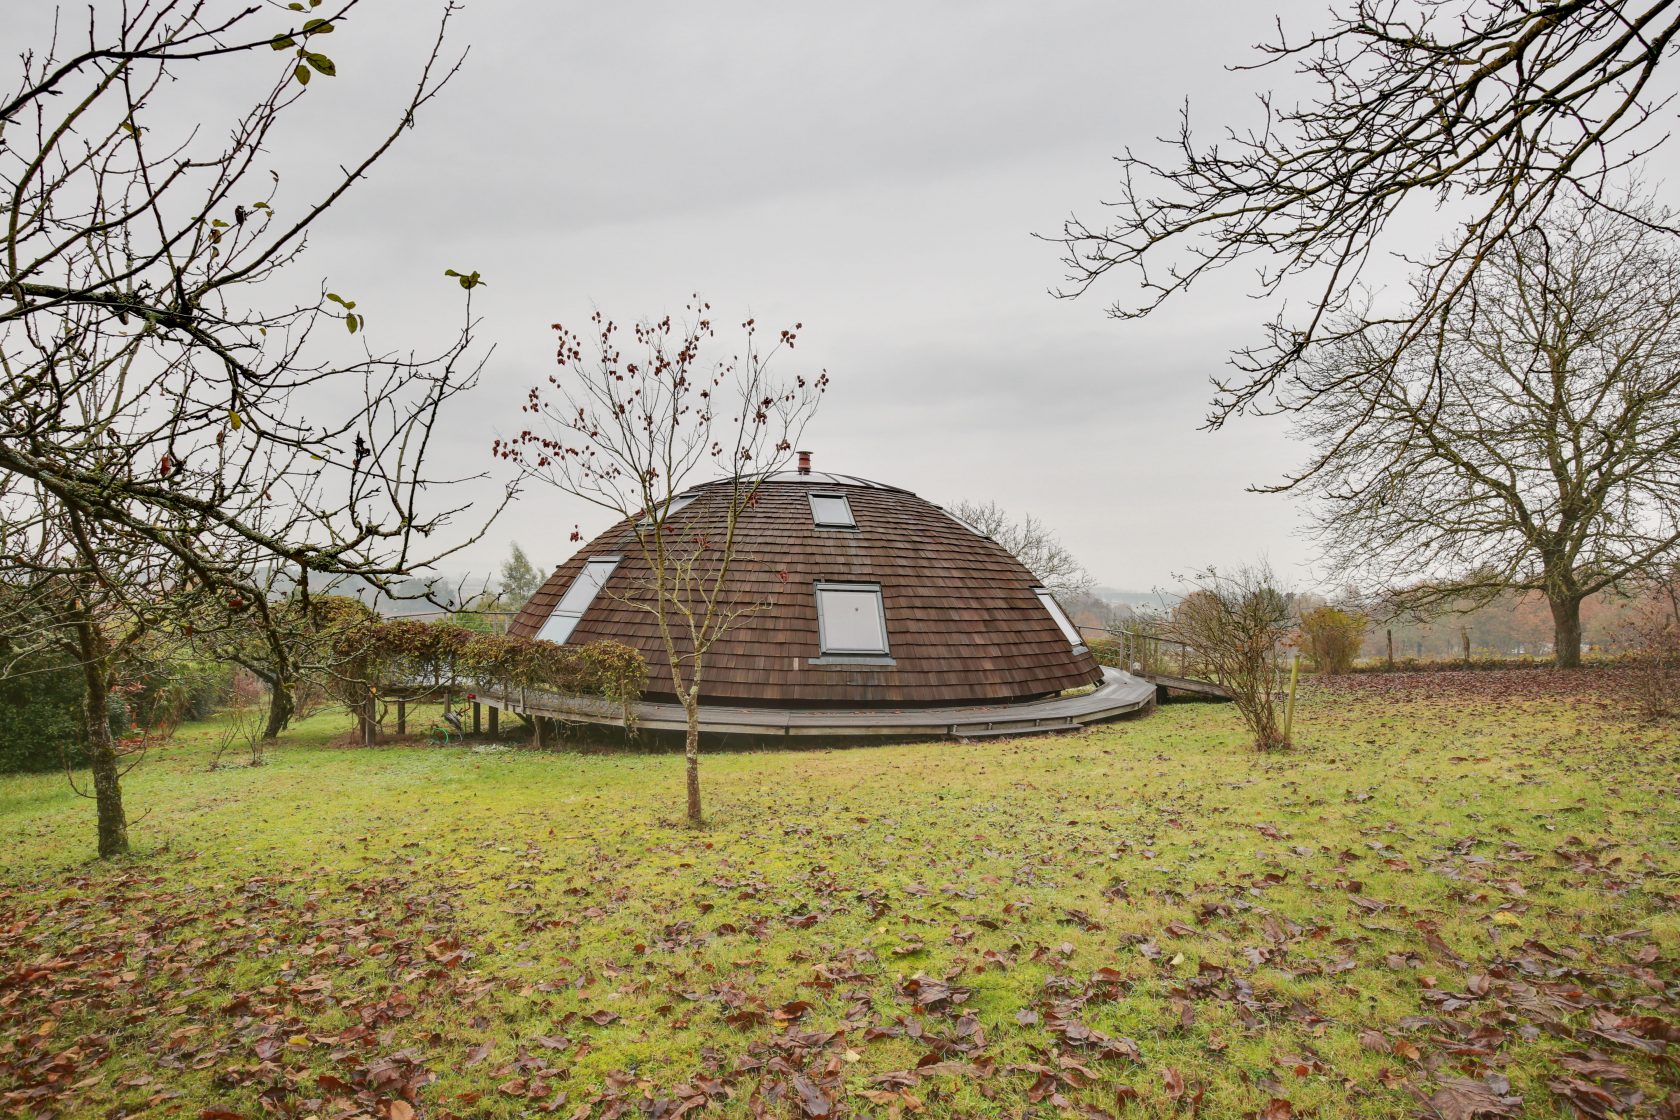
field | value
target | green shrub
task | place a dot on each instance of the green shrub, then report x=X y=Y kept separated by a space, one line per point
x=1332 y=638
x=176 y=691
x=41 y=714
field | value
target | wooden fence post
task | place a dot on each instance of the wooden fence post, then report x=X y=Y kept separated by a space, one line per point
x=1391 y=648
x=402 y=717
x=494 y=721
x=1466 y=632
x=476 y=718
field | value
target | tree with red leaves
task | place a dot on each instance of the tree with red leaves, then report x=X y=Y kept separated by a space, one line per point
x=631 y=432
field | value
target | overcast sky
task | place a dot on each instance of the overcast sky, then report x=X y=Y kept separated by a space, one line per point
x=874 y=170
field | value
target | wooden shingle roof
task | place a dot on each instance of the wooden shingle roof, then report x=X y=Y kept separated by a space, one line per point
x=963 y=623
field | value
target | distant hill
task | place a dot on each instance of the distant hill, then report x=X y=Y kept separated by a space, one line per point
x=1137 y=600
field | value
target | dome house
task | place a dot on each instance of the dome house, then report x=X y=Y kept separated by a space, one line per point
x=866 y=611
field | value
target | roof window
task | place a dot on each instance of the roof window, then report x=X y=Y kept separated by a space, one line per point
x=672 y=508
x=851 y=619
x=832 y=511
x=569 y=611
x=965 y=522
x=1056 y=612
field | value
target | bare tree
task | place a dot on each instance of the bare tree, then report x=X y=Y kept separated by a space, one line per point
x=153 y=388
x=1236 y=623
x=1532 y=444
x=629 y=433
x=102 y=607
x=1496 y=109
x=1031 y=542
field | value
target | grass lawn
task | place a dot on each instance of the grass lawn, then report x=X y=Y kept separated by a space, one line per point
x=1452 y=896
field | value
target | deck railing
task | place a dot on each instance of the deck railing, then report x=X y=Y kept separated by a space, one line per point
x=1155 y=655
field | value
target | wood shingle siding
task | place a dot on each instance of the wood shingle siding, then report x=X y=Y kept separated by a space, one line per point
x=963 y=623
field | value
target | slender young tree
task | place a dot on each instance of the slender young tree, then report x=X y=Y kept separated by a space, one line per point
x=1532 y=443
x=162 y=409
x=1495 y=110
x=629 y=432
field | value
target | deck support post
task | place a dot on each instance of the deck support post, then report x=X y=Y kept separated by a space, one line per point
x=402 y=717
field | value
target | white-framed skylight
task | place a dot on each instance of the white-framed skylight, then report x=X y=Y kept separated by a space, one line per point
x=577 y=598
x=675 y=505
x=851 y=619
x=965 y=522
x=832 y=511
x=1057 y=613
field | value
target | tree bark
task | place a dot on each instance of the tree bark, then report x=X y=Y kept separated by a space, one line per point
x=280 y=708
x=102 y=748
x=1566 y=632
x=691 y=753
x=368 y=717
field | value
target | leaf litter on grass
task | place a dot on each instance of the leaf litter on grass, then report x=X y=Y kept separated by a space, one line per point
x=1450 y=906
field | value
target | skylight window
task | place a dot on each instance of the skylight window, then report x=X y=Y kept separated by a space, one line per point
x=832 y=511
x=577 y=598
x=674 y=506
x=851 y=619
x=1057 y=613
x=965 y=523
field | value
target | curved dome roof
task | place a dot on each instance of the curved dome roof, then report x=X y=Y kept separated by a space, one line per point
x=913 y=606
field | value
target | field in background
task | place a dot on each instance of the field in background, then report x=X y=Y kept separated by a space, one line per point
x=1450 y=897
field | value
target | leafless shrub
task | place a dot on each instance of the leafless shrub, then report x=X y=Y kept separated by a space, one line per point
x=243 y=722
x=1652 y=635
x=1236 y=623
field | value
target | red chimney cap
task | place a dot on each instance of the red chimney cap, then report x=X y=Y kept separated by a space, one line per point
x=804 y=462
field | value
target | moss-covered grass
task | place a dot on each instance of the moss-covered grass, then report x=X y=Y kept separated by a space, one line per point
x=1432 y=894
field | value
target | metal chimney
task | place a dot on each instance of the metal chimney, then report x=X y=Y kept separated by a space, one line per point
x=804 y=462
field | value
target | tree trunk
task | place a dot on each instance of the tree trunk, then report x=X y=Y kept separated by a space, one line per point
x=1566 y=632
x=691 y=752
x=369 y=719
x=102 y=748
x=280 y=708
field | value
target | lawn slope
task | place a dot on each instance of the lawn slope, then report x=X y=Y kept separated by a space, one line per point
x=1452 y=900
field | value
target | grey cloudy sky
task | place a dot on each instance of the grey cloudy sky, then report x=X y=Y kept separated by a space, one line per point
x=873 y=170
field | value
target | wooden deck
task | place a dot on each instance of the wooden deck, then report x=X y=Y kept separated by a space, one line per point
x=1119 y=694
x=1164 y=681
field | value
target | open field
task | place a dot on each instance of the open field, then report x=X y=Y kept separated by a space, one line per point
x=1446 y=900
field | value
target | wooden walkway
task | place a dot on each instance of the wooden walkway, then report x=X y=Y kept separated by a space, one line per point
x=1155 y=660
x=1164 y=681
x=1119 y=694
